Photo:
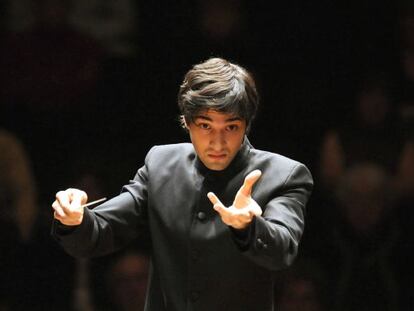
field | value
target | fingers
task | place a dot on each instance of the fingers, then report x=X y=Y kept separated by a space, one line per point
x=217 y=205
x=249 y=181
x=58 y=209
x=214 y=199
x=68 y=206
x=63 y=200
x=69 y=199
x=232 y=216
x=78 y=197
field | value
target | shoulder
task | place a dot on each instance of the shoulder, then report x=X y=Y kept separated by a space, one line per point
x=169 y=153
x=273 y=159
x=279 y=167
x=160 y=150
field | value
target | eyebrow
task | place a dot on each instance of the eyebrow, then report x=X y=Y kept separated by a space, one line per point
x=209 y=119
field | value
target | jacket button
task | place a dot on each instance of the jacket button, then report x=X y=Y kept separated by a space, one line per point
x=260 y=244
x=201 y=216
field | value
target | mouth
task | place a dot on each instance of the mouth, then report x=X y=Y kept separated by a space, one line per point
x=217 y=156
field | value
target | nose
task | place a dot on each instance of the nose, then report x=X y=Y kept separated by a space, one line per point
x=218 y=140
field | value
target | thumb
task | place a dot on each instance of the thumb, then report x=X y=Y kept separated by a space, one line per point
x=249 y=181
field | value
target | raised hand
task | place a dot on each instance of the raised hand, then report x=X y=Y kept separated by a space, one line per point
x=68 y=206
x=244 y=208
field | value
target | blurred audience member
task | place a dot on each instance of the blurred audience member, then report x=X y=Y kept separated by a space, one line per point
x=18 y=210
x=30 y=263
x=372 y=134
x=364 y=257
x=126 y=278
x=303 y=288
x=18 y=201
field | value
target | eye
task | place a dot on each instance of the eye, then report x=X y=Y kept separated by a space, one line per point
x=204 y=126
x=232 y=127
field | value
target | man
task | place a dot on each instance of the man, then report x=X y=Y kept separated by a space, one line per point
x=215 y=239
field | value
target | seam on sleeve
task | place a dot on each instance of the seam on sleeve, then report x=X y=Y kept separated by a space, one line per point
x=290 y=175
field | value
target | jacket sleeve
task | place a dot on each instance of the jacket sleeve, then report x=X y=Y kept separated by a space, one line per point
x=110 y=225
x=272 y=239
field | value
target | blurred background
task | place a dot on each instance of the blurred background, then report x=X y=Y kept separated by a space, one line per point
x=87 y=87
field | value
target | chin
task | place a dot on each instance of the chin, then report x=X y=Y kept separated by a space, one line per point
x=216 y=167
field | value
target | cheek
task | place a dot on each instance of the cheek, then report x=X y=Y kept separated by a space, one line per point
x=237 y=139
x=234 y=143
x=199 y=141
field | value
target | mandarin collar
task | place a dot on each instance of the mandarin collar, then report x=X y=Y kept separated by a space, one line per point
x=239 y=161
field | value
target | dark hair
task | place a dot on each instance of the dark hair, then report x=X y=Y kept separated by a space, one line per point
x=218 y=85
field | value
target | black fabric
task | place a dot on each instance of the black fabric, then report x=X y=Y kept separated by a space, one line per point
x=198 y=262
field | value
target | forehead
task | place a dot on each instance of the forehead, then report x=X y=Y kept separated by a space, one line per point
x=217 y=116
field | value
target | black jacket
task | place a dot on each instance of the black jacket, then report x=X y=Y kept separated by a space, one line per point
x=199 y=263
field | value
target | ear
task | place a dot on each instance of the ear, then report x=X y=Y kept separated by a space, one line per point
x=183 y=122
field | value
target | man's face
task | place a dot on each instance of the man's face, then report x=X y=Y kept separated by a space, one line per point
x=217 y=137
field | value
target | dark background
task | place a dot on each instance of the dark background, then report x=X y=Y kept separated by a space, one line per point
x=88 y=111
x=307 y=59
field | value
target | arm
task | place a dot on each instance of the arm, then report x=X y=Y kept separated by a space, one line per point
x=271 y=239
x=104 y=229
